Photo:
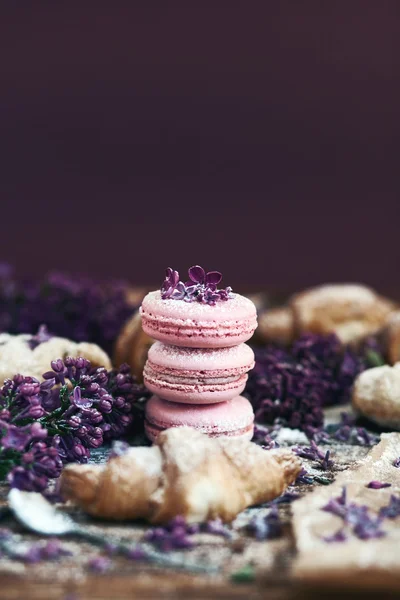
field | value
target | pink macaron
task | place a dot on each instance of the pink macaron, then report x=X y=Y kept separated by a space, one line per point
x=234 y=418
x=198 y=325
x=197 y=375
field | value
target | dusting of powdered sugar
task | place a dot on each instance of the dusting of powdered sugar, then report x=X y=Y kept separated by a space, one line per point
x=290 y=437
x=237 y=308
x=201 y=358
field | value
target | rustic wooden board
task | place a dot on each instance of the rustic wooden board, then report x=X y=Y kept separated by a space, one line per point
x=70 y=579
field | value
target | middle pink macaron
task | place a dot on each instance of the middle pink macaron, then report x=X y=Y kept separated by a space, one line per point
x=197 y=376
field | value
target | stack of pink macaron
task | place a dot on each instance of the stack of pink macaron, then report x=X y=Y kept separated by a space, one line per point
x=198 y=366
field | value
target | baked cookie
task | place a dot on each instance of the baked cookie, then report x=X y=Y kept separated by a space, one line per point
x=376 y=395
x=276 y=326
x=132 y=346
x=392 y=338
x=31 y=355
x=351 y=311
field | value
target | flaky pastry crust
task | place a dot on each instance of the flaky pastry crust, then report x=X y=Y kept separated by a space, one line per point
x=186 y=473
x=392 y=337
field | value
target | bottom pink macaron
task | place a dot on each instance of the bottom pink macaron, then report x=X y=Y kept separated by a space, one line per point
x=234 y=418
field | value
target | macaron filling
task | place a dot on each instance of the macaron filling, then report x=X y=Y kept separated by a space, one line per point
x=218 y=432
x=201 y=380
x=170 y=327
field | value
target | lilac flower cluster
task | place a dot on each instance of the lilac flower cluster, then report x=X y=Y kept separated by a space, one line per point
x=12 y=546
x=71 y=306
x=201 y=287
x=178 y=534
x=74 y=409
x=99 y=564
x=392 y=510
x=266 y=527
x=291 y=386
x=357 y=517
x=347 y=431
x=314 y=453
x=262 y=436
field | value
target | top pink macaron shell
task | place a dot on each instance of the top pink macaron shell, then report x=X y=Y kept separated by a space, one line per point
x=198 y=325
x=201 y=359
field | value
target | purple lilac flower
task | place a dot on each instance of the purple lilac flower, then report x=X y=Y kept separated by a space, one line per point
x=216 y=527
x=201 y=287
x=12 y=546
x=266 y=527
x=347 y=431
x=99 y=564
x=339 y=536
x=363 y=525
x=304 y=477
x=315 y=454
x=178 y=534
x=392 y=510
x=378 y=485
x=262 y=437
x=74 y=409
x=40 y=337
x=38 y=464
x=291 y=386
x=74 y=307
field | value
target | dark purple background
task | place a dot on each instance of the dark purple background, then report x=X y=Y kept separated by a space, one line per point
x=258 y=138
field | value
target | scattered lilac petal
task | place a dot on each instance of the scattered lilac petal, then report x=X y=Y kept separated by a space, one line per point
x=378 y=485
x=339 y=536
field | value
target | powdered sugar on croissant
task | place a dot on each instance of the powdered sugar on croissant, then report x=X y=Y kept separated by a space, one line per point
x=186 y=473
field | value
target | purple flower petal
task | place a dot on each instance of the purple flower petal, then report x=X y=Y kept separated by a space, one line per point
x=80 y=402
x=197 y=274
x=16 y=438
x=392 y=510
x=339 y=536
x=378 y=485
x=213 y=277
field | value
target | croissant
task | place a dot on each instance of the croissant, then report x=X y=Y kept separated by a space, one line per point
x=185 y=473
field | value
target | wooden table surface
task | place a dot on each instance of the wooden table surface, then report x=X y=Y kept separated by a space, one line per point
x=70 y=578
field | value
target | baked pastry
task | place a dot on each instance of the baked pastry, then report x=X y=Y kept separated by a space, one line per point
x=132 y=346
x=234 y=418
x=376 y=395
x=276 y=326
x=31 y=355
x=186 y=473
x=197 y=375
x=341 y=532
x=351 y=311
x=392 y=337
